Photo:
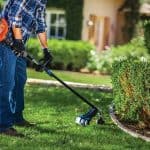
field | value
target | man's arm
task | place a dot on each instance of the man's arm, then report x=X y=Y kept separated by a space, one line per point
x=15 y=16
x=17 y=32
x=46 y=52
x=18 y=44
x=41 y=31
x=43 y=39
x=40 y=19
x=15 y=21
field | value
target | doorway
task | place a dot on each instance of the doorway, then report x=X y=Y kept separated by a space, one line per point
x=99 y=29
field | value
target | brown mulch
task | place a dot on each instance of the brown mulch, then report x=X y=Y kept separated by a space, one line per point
x=145 y=131
x=135 y=128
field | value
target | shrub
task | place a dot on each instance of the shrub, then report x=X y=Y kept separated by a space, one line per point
x=103 y=61
x=100 y=61
x=131 y=88
x=68 y=55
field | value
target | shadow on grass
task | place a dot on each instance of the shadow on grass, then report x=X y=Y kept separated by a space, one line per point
x=61 y=96
x=45 y=130
x=99 y=137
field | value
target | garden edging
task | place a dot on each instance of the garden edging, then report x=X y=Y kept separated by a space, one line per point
x=101 y=88
x=125 y=129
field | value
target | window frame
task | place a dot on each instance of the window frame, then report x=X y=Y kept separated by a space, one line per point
x=57 y=12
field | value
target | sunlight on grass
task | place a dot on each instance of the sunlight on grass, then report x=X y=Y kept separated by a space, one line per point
x=73 y=77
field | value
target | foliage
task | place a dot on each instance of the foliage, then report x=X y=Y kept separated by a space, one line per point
x=147 y=34
x=144 y=1
x=103 y=61
x=68 y=55
x=74 y=9
x=1 y=4
x=100 y=61
x=131 y=87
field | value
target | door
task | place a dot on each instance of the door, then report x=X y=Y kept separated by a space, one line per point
x=99 y=29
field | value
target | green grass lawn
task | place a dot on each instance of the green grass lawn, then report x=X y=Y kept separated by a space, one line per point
x=73 y=77
x=54 y=111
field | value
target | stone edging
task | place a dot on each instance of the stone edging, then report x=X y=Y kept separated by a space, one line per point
x=125 y=129
x=101 y=88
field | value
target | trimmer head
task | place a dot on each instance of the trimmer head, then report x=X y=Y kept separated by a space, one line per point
x=86 y=118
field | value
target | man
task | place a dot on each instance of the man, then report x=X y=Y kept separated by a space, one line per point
x=23 y=17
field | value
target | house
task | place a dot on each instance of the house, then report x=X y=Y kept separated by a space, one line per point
x=98 y=21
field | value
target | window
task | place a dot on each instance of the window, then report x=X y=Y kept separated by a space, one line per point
x=56 y=24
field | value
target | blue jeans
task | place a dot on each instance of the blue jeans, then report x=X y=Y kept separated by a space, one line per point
x=12 y=80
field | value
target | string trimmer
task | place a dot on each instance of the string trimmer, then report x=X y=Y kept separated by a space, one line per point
x=82 y=119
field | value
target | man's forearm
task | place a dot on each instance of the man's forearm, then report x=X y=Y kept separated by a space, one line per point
x=18 y=44
x=43 y=39
x=17 y=33
x=42 y=36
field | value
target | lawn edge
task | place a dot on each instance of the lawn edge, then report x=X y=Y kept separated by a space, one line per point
x=102 y=88
x=125 y=129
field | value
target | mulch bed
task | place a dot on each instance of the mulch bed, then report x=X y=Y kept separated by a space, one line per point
x=135 y=128
x=145 y=131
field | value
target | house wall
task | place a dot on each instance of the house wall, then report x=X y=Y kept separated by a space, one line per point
x=101 y=8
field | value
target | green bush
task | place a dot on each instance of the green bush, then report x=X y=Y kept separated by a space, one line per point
x=100 y=61
x=103 y=61
x=131 y=88
x=147 y=34
x=68 y=55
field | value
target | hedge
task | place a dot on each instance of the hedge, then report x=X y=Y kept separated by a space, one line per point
x=103 y=61
x=131 y=88
x=68 y=55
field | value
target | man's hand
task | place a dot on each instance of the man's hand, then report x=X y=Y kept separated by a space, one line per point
x=18 y=47
x=45 y=61
x=47 y=55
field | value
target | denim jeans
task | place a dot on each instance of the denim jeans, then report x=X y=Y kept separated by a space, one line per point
x=12 y=81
